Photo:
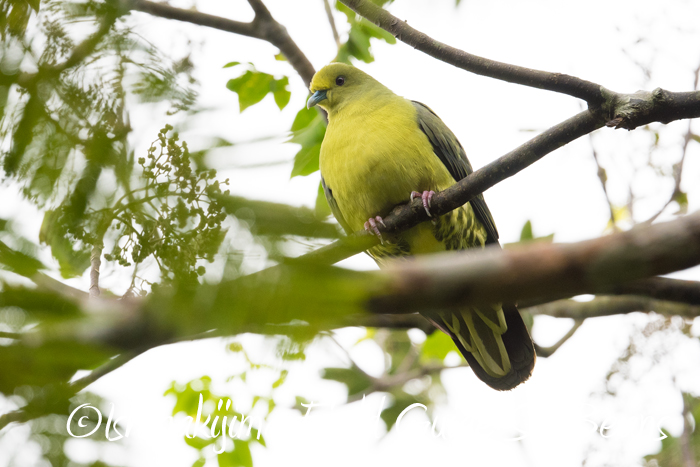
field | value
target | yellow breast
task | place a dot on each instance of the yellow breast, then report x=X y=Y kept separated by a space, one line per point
x=372 y=160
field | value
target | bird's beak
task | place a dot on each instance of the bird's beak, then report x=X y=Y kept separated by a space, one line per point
x=316 y=97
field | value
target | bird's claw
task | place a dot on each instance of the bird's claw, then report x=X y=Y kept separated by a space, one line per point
x=427 y=197
x=371 y=227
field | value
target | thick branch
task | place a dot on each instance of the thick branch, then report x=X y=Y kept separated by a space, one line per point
x=264 y=27
x=630 y=111
x=540 y=271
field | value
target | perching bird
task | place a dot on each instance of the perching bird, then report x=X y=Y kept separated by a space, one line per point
x=380 y=150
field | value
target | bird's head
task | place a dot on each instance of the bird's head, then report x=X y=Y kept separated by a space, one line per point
x=336 y=85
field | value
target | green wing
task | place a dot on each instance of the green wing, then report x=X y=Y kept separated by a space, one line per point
x=452 y=154
x=493 y=339
x=334 y=207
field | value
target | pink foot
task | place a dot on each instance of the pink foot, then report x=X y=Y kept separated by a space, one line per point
x=371 y=227
x=427 y=197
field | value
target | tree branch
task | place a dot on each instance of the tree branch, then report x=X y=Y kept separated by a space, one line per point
x=623 y=110
x=603 y=178
x=263 y=27
x=408 y=215
x=539 y=271
x=608 y=306
x=329 y=14
x=95 y=271
x=67 y=391
x=557 y=82
x=548 y=351
x=661 y=288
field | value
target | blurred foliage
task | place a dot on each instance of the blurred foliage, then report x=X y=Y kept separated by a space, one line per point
x=234 y=431
x=361 y=31
x=66 y=93
x=679 y=451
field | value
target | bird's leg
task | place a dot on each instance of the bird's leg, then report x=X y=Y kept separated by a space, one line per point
x=371 y=227
x=427 y=197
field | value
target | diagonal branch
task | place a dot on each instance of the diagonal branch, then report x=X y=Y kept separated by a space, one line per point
x=263 y=27
x=557 y=82
x=408 y=215
x=627 y=111
x=548 y=351
x=329 y=14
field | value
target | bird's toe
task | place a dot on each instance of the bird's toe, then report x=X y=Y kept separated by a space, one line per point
x=426 y=197
x=371 y=227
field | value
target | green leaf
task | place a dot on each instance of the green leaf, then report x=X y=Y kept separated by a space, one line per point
x=310 y=138
x=682 y=199
x=231 y=64
x=303 y=118
x=53 y=362
x=401 y=401
x=239 y=457
x=321 y=208
x=437 y=346
x=280 y=57
x=251 y=87
x=280 y=92
x=18 y=262
x=526 y=235
x=72 y=262
x=353 y=379
x=40 y=304
x=526 y=232
x=35 y=4
x=361 y=31
x=306 y=160
x=280 y=380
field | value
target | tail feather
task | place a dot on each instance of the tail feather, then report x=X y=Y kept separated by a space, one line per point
x=502 y=360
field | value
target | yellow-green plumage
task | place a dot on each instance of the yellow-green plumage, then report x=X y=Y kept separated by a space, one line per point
x=378 y=148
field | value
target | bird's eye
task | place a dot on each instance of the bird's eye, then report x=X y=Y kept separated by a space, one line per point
x=340 y=80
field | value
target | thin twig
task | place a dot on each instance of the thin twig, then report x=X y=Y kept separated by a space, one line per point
x=388 y=382
x=608 y=306
x=603 y=178
x=548 y=351
x=558 y=82
x=352 y=362
x=95 y=270
x=329 y=14
x=678 y=167
x=686 y=442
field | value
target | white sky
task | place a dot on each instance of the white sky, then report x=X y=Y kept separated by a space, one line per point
x=560 y=194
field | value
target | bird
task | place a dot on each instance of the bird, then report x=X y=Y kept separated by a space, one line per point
x=381 y=150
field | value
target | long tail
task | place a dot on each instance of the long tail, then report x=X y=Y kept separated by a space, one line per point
x=494 y=341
